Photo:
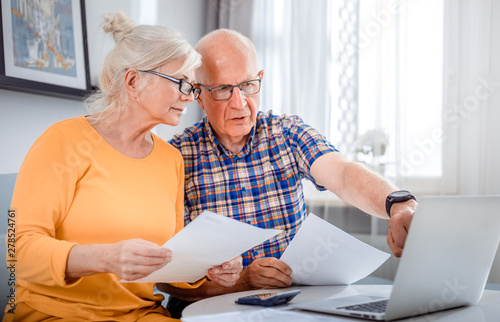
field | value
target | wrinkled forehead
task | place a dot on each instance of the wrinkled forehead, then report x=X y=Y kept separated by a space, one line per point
x=230 y=69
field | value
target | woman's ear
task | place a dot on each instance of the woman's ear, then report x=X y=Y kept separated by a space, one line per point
x=132 y=82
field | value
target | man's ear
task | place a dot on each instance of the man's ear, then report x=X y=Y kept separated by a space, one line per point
x=200 y=102
x=132 y=81
x=261 y=74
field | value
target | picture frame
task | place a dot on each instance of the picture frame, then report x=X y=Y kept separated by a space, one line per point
x=43 y=47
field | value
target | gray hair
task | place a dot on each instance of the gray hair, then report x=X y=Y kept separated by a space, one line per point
x=143 y=47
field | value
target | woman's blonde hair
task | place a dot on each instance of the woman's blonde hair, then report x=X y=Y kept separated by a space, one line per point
x=143 y=47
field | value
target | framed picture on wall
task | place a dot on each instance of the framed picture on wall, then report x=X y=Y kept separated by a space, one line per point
x=43 y=47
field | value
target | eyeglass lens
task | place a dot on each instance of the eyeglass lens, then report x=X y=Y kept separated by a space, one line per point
x=187 y=88
x=226 y=91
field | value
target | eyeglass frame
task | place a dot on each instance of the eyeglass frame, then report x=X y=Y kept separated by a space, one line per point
x=232 y=89
x=195 y=90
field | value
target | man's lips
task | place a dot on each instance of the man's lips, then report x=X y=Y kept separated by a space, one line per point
x=239 y=118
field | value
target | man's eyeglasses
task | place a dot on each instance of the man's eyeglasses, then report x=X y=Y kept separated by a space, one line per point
x=224 y=92
x=184 y=87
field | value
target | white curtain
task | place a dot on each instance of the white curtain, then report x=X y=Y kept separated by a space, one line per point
x=474 y=95
x=400 y=90
x=463 y=140
x=293 y=39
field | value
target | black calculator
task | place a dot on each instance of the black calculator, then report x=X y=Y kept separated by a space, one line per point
x=268 y=299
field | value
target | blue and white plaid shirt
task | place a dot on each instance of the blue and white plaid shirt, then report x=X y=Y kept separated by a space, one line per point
x=261 y=185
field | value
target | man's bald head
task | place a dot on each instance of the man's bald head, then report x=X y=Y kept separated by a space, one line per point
x=220 y=46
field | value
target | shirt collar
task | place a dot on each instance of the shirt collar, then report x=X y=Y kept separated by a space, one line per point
x=222 y=152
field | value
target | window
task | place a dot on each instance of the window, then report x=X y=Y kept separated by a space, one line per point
x=381 y=73
x=401 y=83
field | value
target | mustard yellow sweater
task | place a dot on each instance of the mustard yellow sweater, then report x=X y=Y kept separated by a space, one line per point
x=74 y=188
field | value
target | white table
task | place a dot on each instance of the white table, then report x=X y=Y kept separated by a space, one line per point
x=488 y=309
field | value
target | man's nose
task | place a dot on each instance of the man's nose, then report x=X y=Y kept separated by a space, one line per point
x=237 y=99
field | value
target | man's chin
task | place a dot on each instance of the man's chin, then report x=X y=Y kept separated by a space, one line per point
x=241 y=130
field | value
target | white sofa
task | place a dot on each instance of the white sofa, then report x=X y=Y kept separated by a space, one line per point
x=7 y=182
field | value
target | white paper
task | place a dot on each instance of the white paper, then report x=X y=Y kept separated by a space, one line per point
x=209 y=240
x=322 y=254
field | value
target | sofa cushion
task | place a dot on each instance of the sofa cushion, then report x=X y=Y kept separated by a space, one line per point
x=7 y=182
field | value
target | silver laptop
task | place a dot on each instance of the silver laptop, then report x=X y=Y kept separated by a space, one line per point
x=446 y=261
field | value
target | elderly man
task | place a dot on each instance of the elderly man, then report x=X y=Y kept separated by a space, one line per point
x=248 y=165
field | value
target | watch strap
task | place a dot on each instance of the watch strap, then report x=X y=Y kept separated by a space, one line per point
x=390 y=200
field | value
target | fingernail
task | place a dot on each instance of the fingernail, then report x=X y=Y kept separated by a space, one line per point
x=216 y=270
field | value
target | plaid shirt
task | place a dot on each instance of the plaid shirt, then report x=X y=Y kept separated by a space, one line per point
x=261 y=185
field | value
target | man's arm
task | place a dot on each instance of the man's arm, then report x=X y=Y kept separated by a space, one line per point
x=262 y=273
x=367 y=191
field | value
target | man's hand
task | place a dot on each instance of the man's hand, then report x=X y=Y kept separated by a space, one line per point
x=226 y=274
x=262 y=273
x=267 y=272
x=399 y=225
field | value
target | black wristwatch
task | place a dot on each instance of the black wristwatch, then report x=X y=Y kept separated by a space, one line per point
x=397 y=196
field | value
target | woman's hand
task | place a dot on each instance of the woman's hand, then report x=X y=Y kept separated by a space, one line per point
x=226 y=274
x=137 y=258
x=129 y=259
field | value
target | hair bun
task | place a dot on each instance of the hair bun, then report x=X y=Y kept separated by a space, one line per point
x=118 y=24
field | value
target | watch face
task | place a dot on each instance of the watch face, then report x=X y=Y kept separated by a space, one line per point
x=399 y=194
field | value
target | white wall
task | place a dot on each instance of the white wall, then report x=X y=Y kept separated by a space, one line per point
x=23 y=117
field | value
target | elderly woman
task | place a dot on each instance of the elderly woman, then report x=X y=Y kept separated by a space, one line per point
x=97 y=195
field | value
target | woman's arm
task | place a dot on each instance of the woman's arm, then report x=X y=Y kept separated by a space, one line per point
x=130 y=259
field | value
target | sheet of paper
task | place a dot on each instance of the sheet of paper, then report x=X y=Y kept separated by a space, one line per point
x=322 y=254
x=207 y=241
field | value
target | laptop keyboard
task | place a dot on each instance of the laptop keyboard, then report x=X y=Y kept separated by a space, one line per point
x=374 y=307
